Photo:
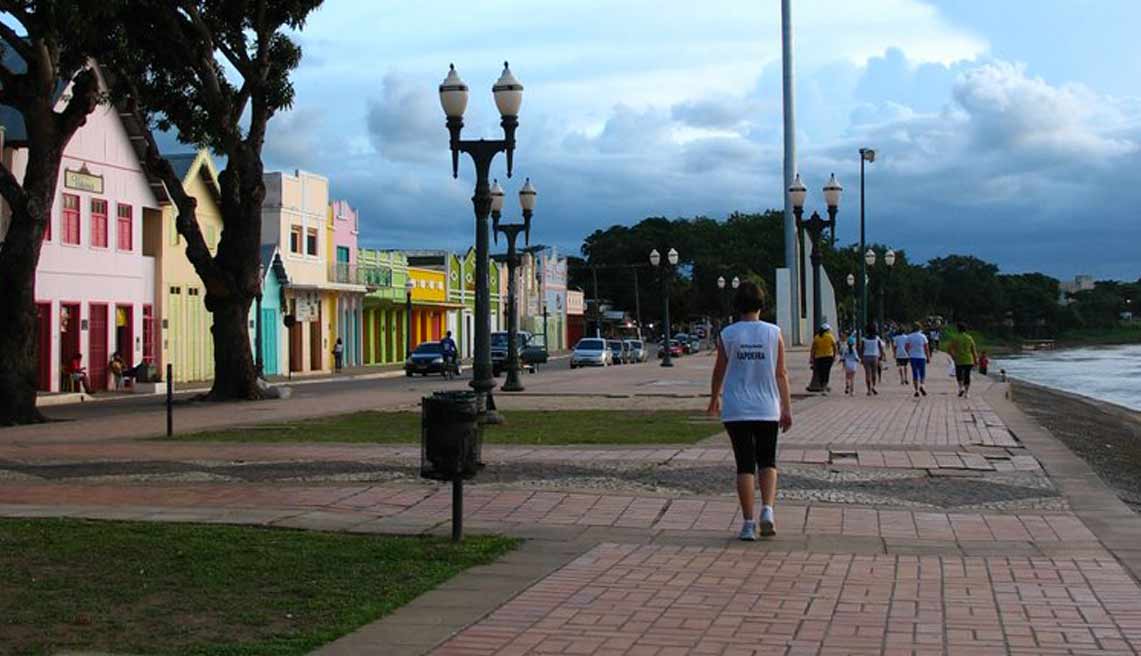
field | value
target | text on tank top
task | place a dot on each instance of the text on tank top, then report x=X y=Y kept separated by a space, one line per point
x=750 y=390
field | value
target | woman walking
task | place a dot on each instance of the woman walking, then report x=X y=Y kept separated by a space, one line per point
x=918 y=352
x=851 y=364
x=823 y=356
x=965 y=354
x=870 y=354
x=750 y=392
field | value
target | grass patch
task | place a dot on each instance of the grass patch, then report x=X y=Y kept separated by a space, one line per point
x=533 y=427
x=1126 y=333
x=220 y=590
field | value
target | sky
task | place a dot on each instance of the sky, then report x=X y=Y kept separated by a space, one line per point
x=1009 y=130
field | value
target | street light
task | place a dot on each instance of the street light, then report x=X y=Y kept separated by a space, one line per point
x=797 y=192
x=815 y=226
x=511 y=232
x=721 y=286
x=889 y=260
x=508 y=93
x=866 y=155
x=409 y=285
x=667 y=272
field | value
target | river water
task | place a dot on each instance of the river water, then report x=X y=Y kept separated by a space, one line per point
x=1106 y=373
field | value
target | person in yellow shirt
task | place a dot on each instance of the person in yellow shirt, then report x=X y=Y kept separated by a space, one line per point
x=966 y=356
x=823 y=355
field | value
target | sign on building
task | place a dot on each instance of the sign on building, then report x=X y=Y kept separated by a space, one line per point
x=575 y=304
x=307 y=306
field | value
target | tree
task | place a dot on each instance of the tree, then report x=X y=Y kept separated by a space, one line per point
x=37 y=66
x=216 y=71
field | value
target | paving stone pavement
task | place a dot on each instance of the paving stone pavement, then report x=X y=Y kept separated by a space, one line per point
x=625 y=570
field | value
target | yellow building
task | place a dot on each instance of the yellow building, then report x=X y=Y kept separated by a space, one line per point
x=180 y=297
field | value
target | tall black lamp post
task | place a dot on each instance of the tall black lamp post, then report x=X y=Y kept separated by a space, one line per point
x=511 y=231
x=667 y=278
x=866 y=155
x=815 y=226
x=889 y=261
x=409 y=285
x=852 y=297
x=508 y=94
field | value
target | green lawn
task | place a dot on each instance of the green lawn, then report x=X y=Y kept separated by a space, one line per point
x=522 y=427
x=145 y=588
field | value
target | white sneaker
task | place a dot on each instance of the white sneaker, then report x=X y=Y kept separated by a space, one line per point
x=748 y=531
x=768 y=525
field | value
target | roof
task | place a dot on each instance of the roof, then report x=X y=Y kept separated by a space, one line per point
x=271 y=261
x=201 y=163
x=181 y=162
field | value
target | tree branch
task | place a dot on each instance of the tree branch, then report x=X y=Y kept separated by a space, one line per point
x=11 y=189
x=15 y=41
x=84 y=99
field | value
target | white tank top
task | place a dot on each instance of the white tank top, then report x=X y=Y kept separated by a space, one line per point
x=750 y=390
x=871 y=347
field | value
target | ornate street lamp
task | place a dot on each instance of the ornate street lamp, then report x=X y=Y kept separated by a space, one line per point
x=815 y=226
x=724 y=311
x=889 y=260
x=511 y=231
x=797 y=192
x=667 y=274
x=508 y=93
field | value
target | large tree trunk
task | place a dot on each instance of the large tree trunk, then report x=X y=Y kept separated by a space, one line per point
x=235 y=374
x=19 y=348
x=19 y=256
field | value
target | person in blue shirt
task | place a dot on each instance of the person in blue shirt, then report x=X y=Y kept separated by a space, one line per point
x=449 y=347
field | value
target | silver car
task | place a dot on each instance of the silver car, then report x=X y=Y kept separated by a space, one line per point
x=590 y=352
x=637 y=350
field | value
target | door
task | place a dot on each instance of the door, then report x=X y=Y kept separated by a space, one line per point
x=295 y=344
x=44 y=346
x=316 y=348
x=69 y=325
x=343 y=265
x=96 y=359
x=125 y=333
x=269 y=332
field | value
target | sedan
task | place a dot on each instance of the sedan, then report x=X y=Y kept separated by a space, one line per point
x=676 y=350
x=590 y=352
x=427 y=358
x=637 y=350
x=617 y=351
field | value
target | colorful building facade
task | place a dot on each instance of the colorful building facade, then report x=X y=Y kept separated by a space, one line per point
x=95 y=283
x=385 y=318
x=349 y=291
x=180 y=297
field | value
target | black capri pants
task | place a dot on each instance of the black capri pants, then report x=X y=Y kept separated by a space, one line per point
x=754 y=444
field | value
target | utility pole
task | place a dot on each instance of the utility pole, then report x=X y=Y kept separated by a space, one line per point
x=597 y=305
x=791 y=248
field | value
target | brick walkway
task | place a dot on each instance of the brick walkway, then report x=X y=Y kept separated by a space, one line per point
x=659 y=601
x=631 y=571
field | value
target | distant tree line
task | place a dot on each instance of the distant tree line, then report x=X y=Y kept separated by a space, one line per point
x=750 y=246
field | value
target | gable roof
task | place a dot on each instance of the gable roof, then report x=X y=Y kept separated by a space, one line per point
x=271 y=261
x=187 y=165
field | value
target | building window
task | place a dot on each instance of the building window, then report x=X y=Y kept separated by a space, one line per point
x=175 y=290
x=192 y=291
x=70 y=219
x=295 y=239
x=149 y=334
x=125 y=224
x=311 y=242
x=99 y=222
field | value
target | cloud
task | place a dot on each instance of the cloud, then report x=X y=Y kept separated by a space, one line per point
x=404 y=124
x=293 y=139
x=724 y=112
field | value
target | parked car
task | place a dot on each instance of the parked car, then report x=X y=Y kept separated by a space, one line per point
x=694 y=344
x=590 y=352
x=535 y=353
x=675 y=350
x=427 y=358
x=683 y=339
x=637 y=350
x=499 y=352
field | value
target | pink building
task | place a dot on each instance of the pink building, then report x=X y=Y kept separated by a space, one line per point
x=344 y=222
x=95 y=280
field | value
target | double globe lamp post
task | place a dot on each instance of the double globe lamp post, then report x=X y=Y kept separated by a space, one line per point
x=667 y=278
x=889 y=260
x=508 y=93
x=815 y=226
x=527 y=196
x=728 y=316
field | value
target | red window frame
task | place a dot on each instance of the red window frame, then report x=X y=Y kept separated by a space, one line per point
x=124 y=221
x=69 y=213
x=149 y=334
x=99 y=222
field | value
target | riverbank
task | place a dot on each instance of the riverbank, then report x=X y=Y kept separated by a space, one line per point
x=1106 y=436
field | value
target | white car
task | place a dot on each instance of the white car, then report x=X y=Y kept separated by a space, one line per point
x=590 y=352
x=637 y=350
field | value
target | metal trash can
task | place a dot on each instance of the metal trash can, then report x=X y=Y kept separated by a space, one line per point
x=451 y=436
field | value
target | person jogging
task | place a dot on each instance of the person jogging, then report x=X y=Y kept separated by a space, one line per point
x=448 y=346
x=750 y=392
x=918 y=353
x=963 y=351
x=902 y=361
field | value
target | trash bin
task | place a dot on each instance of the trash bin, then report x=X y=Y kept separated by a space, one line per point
x=451 y=437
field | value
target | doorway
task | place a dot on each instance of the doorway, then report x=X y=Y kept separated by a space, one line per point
x=125 y=333
x=316 y=349
x=97 y=345
x=44 y=346
x=69 y=326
